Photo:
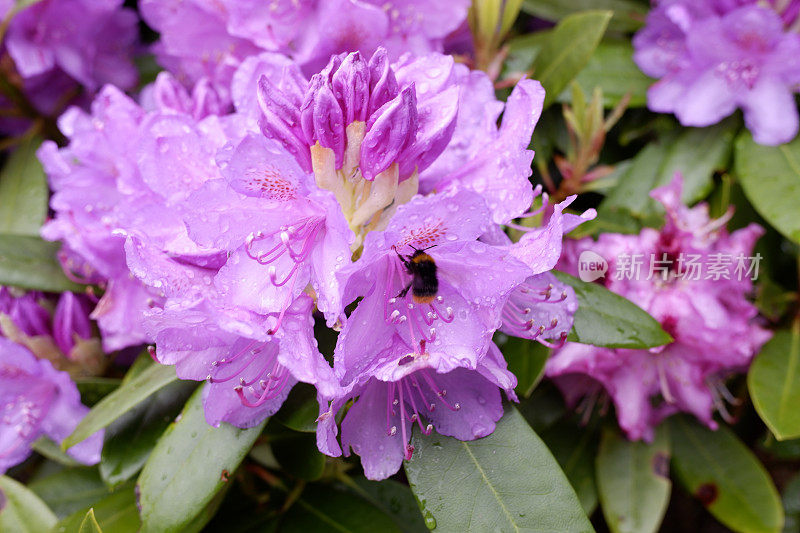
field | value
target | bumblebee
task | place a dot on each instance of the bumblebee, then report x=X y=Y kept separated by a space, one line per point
x=424 y=283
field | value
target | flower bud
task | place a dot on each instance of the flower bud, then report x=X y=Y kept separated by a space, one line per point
x=322 y=119
x=280 y=120
x=350 y=84
x=25 y=312
x=382 y=82
x=390 y=130
x=71 y=318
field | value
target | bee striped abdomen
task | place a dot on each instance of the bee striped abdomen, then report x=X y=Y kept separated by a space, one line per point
x=424 y=283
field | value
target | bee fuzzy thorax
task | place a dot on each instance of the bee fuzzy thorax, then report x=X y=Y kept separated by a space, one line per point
x=424 y=281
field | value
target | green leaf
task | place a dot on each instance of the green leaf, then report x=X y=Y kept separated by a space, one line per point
x=330 y=509
x=30 y=263
x=119 y=402
x=130 y=439
x=70 y=490
x=725 y=476
x=396 y=500
x=791 y=505
x=507 y=481
x=23 y=191
x=781 y=449
x=21 y=510
x=523 y=50
x=774 y=383
x=116 y=513
x=770 y=177
x=611 y=68
x=94 y=389
x=526 y=359
x=567 y=50
x=694 y=152
x=632 y=481
x=89 y=524
x=49 y=449
x=544 y=408
x=607 y=319
x=300 y=410
x=575 y=449
x=296 y=452
x=628 y=14
x=190 y=464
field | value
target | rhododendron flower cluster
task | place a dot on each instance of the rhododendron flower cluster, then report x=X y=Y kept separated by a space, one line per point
x=713 y=56
x=39 y=345
x=51 y=54
x=253 y=252
x=710 y=319
x=226 y=231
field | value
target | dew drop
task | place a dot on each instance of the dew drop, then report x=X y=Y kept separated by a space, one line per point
x=430 y=521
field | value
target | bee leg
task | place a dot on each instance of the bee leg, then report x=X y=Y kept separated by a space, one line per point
x=402 y=293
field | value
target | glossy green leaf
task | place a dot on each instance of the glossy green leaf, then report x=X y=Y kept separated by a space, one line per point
x=121 y=401
x=575 y=448
x=296 y=452
x=724 y=476
x=323 y=508
x=130 y=439
x=507 y=481
x=694 y=152
x=21 y=510
x=191 y=463
x=568 y=49
x=23 y=191
x=70 y=489
x=633 y=482
x=116 y=513
x=89 y=524
x=396 y=500
x=607 y=319
x=300 y=410
x=30 y=263
x=770 y=176
x=526 y=359
x=611 y=68
x=628 y=14
x=774 y=384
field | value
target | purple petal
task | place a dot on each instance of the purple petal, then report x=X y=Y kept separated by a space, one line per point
x=363 y=430
x=322 y=117
x=770 y=113
x=350 y=83
x=390 y=129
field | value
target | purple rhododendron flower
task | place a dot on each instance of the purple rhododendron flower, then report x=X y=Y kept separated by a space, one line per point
x=201 y=39
x=712 y=57
x=53 y=52
x=115 y=177
x=706 y=312
x=35 y=400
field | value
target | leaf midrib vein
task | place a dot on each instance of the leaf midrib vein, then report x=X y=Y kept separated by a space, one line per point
x=491 y=487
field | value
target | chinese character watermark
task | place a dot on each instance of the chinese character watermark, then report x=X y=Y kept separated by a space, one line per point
x=666 y=267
